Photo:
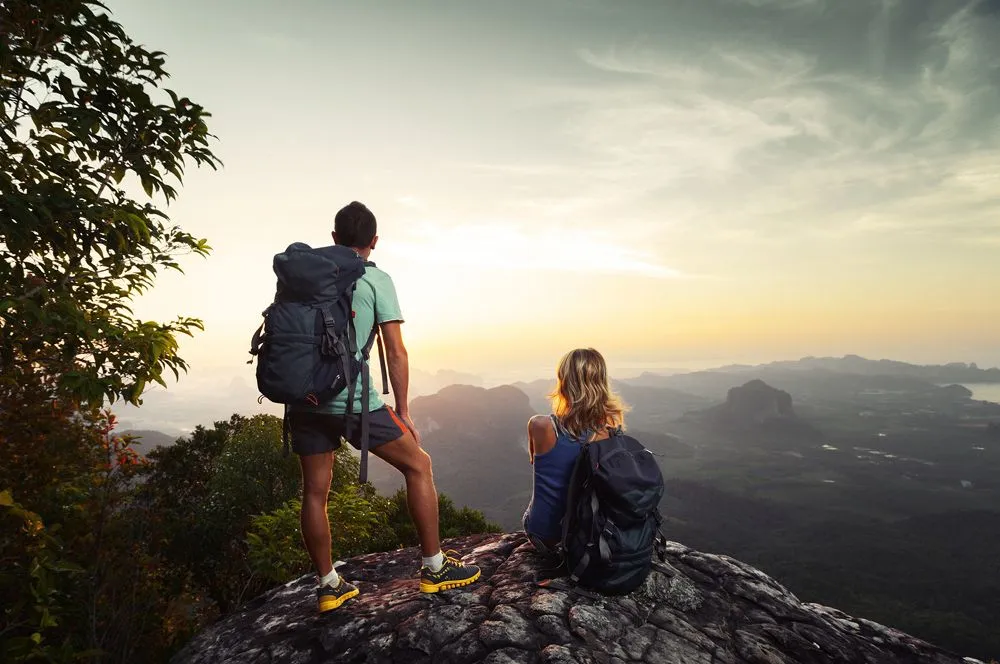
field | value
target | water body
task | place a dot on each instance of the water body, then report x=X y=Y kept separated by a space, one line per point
x=985 y=391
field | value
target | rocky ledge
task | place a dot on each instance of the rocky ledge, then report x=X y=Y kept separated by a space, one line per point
x=698 y=609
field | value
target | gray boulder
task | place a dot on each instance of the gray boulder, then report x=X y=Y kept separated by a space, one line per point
x=697 y=609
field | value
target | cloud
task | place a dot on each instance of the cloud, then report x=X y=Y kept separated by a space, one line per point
x=780 y=4
x=496 y=247
x=412 y=202
x=785 y=130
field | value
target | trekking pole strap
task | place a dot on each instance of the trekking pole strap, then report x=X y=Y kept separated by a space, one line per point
x=285 y=434
x=351 y=384
x=363 y=475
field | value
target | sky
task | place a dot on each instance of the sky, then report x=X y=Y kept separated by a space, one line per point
x=679 y=183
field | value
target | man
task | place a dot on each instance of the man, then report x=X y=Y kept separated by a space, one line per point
x=316 y=432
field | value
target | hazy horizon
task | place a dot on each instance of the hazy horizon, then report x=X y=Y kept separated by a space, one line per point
x=204 y=400
x=680 y=184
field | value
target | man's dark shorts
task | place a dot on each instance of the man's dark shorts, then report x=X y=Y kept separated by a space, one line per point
x=317 y=433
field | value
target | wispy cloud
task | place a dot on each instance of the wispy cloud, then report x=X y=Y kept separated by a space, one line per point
x=780 y=4
x=513 y=247
x=746 y=131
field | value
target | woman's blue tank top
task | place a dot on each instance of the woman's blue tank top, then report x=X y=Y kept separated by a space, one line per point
x=551 y=483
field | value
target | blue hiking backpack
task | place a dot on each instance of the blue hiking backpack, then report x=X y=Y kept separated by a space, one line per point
x=306 y=348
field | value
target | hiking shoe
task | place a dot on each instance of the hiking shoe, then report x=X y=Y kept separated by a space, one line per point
x=453 y=574
x=330 y=598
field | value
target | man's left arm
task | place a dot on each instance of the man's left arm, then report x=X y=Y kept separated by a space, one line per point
x=389 y=318
x=398 y=362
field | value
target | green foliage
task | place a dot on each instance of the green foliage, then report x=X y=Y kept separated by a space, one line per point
x=252 y=475
x=174 y=491
x=83 y=119
x=33 y=578
x=275 y=540
x=75 y=565
x=199 y=497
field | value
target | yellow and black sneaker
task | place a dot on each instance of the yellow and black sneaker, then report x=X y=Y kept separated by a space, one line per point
x=331 y=597
x=453 y=574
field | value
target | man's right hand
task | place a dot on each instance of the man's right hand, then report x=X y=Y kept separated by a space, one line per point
x=405 y=416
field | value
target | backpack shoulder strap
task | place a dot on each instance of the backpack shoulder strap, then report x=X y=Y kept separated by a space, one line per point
x=376 y=338
x=573 y=494
x=363 y=475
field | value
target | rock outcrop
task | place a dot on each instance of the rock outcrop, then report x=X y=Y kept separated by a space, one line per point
x=757 y=402
x=698 y=609
x=755 y=410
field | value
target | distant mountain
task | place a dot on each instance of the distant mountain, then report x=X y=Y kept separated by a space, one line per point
x=149 y=439
x=477 y=439
x=538 y=393
x=757 y=408
x=424 y=382
x=954 y=372
x=653 y=375
x=756 y=403
x=652 y=408
x=815 y=384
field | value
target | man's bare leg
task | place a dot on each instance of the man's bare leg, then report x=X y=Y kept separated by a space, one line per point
x=421 y=497
x=317 y=473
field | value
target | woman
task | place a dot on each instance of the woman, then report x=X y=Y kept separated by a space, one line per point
x=584 y=409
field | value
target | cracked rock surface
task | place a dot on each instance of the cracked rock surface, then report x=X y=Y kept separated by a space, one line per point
x=699 y=609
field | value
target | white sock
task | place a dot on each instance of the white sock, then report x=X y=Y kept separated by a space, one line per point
x=332 y=579
x=434 y=563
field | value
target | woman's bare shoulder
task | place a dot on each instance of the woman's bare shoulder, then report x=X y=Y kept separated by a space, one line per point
x=540 y=424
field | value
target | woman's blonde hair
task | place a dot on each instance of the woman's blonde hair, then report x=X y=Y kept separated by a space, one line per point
x=583 y=400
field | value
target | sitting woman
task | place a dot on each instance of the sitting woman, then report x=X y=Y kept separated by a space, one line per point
x=584 y=410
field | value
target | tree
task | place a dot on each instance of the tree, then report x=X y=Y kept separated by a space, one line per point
x=80 y=131
x=86 y=131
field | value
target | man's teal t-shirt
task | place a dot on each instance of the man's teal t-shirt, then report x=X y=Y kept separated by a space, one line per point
x=374 y=301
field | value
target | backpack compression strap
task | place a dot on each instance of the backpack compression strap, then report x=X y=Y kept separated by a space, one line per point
x=603 y=550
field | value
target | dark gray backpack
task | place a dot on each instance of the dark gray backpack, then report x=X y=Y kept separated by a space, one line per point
x=611 y=530
x=306 y=348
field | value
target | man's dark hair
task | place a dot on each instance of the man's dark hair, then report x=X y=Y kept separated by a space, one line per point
x=354 y=225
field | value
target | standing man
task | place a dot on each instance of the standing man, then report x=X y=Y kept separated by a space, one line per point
x=316 y=432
